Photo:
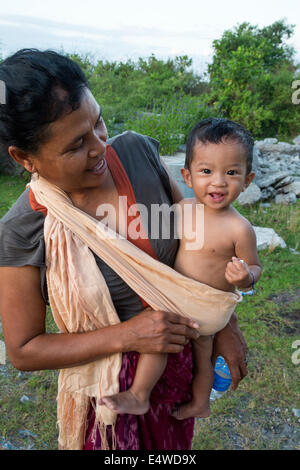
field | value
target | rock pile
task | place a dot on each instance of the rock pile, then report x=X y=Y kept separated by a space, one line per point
x=277 y=173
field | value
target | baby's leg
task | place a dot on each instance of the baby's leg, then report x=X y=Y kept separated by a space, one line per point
x=135 y=400
x=202 y=381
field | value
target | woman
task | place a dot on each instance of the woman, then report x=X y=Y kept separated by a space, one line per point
x=52 y=125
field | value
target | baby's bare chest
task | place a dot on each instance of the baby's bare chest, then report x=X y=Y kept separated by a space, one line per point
x=210 y=236
x=218 y=241
x=207 y=261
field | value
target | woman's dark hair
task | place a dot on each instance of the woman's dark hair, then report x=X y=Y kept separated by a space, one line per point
x=215 y=130
x=33 y=81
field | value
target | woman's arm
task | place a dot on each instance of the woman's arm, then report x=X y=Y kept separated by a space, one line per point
x=29 y=347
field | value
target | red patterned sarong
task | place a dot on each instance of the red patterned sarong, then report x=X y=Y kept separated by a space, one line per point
x=156 y=430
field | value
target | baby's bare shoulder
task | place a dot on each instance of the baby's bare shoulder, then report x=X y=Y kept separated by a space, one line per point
x=239 y=221
x=241 y=227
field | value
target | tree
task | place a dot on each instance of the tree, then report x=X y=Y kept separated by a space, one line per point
x=251 y=77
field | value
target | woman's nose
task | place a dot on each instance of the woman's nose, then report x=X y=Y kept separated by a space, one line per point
x=98 y=145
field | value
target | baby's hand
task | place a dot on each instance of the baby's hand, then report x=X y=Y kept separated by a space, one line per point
x=238 y=273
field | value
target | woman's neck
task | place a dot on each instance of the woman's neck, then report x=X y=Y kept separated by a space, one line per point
x=83 y=198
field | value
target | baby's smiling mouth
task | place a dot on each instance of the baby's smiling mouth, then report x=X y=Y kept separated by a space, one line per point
x=217 y=196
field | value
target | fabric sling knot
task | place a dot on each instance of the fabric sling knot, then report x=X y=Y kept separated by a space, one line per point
x=80 y=301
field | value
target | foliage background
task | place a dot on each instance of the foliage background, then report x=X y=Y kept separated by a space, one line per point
x=249 y=81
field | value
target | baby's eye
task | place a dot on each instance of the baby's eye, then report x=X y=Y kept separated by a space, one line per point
x=231 y=172
x=206 y=171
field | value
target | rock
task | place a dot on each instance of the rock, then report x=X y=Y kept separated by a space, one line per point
x=6 y=445
x=279 y=147
x=270 y=140
x=24 y=399
x=268 y=193
x=294 y=252
x=256 y=159
x=289 y=198
x=296 y=140
x=267 y=238
x=2 y=353
x=296 y=412
x=250 y=196
x=284 y=182
x=271 y=179
x=292 y=188
x=269 y=147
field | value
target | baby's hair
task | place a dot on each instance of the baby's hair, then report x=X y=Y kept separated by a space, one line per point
x=216 y=130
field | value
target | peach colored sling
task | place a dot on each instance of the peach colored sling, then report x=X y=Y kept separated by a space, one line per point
x=80 y=302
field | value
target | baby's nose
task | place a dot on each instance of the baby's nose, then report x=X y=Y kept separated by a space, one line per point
x=219 y=180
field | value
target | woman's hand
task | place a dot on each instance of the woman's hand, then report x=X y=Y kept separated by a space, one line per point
x=230 y=344
x=158 y=332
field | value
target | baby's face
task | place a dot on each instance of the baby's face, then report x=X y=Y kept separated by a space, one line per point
x=218 y=173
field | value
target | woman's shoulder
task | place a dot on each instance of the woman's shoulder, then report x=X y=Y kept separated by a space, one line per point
x=139 y=155
x=134 y=137
x=131 y=143
x=22 y=217
x=21 y=234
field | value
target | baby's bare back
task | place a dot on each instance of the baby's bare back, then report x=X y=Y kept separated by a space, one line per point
x=208 y=263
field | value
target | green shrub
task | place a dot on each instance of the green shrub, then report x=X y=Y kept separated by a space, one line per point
x=170 y=121
x=124 y=88
x=251 y=77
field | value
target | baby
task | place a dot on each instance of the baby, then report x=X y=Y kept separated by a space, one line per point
x=218 y=168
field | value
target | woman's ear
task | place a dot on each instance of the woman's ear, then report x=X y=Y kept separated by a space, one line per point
x=186 y=175
x=22 y=158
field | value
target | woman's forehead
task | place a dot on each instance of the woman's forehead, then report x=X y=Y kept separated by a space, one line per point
x=75 y=122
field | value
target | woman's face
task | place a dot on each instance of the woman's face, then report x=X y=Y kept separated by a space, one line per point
x=73 y=158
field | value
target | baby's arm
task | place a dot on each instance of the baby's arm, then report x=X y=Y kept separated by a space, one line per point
x=238 y=273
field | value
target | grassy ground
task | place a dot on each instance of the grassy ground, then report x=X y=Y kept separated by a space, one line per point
x=10 y=190
x=259 y=415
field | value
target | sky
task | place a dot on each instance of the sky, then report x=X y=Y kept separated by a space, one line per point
x=128 y=29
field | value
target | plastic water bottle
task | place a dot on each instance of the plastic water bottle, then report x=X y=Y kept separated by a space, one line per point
x=222 y=379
